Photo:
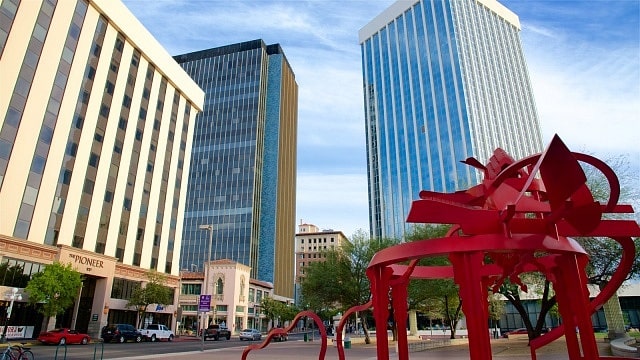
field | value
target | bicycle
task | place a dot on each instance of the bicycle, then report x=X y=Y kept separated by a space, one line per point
x=17 y=352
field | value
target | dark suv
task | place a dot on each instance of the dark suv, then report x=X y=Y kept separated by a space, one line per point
x=121 y=333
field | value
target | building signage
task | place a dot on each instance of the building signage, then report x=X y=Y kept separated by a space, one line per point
x=89 y=262
x=14 y=332
x=205 y=303
x=85 y=260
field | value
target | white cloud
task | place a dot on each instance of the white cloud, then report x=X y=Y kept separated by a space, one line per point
x=590 y=96
x=584 y=62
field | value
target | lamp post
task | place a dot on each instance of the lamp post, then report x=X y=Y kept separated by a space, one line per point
x=203 y=291
x=14 y=295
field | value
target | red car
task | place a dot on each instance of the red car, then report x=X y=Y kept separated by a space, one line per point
x=63 y=336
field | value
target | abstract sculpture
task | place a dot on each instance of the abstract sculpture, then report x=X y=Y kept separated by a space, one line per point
x=519 y=219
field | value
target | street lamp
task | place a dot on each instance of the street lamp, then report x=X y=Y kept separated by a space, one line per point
x=12 y=296
x=203 y=291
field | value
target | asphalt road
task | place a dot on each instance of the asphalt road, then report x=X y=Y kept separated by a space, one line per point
x=189 y=348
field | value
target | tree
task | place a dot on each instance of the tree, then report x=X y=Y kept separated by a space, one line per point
x=278 y=311
x=290 y=312
x=438 y=297
x=340 y=281
x=56 y=288
x=154 y=292
x=535 y=282
x=496 y=310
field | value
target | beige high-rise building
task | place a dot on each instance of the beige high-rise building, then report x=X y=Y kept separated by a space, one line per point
x=95 y=140
x=311 y=243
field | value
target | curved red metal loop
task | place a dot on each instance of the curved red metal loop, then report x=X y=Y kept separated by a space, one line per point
x=275 y=331
x=343 y=322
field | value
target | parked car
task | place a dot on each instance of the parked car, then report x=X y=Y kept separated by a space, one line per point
x=64 y=336
x=121 y=333
x=250 y=334
x=156 y=332
x=215 y=332
x=280 y=337
x=520 y=331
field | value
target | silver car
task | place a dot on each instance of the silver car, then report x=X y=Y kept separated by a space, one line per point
x=250 y=334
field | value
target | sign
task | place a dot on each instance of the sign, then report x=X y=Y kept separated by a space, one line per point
x=85 y=260
x=15 y=332
x=94 y=317
x=205 y=303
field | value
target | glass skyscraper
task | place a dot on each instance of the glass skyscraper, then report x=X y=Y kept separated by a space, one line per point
x=443 y=81
x=243 y=164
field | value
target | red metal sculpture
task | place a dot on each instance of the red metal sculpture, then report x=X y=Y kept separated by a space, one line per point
x=521 y=218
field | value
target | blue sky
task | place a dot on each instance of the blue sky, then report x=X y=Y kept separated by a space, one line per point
x=583 y=59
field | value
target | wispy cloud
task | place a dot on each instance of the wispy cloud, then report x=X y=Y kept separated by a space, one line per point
x=583 y=57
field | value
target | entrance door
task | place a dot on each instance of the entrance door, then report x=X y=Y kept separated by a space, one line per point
x=84 y=307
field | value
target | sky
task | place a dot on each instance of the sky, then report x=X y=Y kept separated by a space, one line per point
x=583 y=59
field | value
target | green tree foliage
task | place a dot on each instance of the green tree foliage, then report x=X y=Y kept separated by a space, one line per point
x=437 y=297
x=340 y=281
x=496 y=310
x=277 y=311
x=154 y=292
x=56 y=288
x=271 y=308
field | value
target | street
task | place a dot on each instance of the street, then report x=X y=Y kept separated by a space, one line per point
x=189 y=348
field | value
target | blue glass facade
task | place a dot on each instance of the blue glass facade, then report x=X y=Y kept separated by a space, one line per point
x=443 y=81
x=237 y=159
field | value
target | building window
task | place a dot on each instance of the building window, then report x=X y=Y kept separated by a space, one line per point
x=191 y=289
x=219 y=287
x=88 y=187
x=94 y=159
x=123 y=288
x=17 y=273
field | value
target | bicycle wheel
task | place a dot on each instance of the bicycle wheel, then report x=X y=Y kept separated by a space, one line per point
x=6 y=355
x=26 y=355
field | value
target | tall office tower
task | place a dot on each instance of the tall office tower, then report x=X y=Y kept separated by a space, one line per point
x=443 y=81
x=96 y=125
x=243 y=174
